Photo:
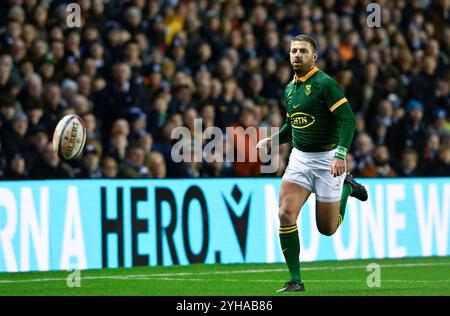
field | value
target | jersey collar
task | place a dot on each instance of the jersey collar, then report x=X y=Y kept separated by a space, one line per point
x=305 y=77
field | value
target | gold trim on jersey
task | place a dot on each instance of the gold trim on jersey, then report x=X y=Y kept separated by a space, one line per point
x=337 y=104
x=306 y=77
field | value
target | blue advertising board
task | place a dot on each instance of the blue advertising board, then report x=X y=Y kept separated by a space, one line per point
x=90 y=224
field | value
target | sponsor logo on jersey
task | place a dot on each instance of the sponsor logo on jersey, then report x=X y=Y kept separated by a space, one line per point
x=302 y=120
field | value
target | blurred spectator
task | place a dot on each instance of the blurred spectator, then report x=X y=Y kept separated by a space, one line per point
x=32 y=92
x=16 y=168
x=138 y=123
x=132 y=57
x=382 y=162
x=409 y=164
x=37 y=141
x=157 y=165
x=430 y=152
x=14 y=140
x=84 y=82
x=208 y=115
x=366 y=94
x=92 y=130
x=117 y=146
x=439 y=122
x=203 y=83
x=68 y=89
x=8 y=84
x=50 y=166
x=153 y=82
x=158 y=114
x=363 y=152
x=441 y=166
x=182 y=99
x=53 y=105
x=442 y=94
x=35 y=112
x=424 y=84
x=117 y=99
x=410 y=132
x=145 y=140
x=227 y=107
x=360 y=124
x=90 y=167
x=382 y=121
x=134 y=164
x=96 y=59
x=189 y=118
x=121 y=126
x=7 y=110
x=109 y=167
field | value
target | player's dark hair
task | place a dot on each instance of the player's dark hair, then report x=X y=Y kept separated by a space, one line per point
x=306 y=38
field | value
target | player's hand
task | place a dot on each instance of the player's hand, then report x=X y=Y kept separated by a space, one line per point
x=264 y=143
x=337 y=167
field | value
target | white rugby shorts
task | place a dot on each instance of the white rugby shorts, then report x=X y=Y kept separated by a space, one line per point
x=312 y=170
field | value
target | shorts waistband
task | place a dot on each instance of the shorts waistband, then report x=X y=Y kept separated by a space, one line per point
x=318 y=149
x=312 y=153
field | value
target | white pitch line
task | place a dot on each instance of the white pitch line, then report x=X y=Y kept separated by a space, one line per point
x=406 y=265
x=230 y=280
x=308 y=281
x=168 y=275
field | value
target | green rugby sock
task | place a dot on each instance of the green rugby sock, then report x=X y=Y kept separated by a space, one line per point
x=290 y=246
x=346 y=191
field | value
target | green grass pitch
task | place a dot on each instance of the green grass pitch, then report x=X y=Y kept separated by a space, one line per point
x=409 y=276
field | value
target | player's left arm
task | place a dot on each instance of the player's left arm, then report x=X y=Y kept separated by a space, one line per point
x=339 y=106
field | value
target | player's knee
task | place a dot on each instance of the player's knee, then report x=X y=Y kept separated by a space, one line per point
x=286 y=216
x=326 y=229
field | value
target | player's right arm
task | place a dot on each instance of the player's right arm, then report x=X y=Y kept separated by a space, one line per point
x=284 y=135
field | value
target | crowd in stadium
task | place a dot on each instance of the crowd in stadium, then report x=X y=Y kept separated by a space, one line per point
x=137 y=69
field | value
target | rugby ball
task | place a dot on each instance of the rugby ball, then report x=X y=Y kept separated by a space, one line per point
x=69 y=137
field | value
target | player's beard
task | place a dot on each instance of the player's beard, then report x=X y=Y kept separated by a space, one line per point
x=302 y=69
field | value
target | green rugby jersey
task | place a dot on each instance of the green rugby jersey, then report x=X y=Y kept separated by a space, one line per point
x=319 y=117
